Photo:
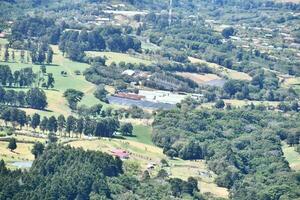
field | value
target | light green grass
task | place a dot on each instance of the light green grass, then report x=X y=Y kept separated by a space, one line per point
x=142 y=134
x=56 y=101
x=118 y=57
x=291 y=156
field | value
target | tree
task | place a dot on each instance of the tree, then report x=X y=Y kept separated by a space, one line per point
x=194 y=183
x=50 y=81
x=171 y=153
x=13 y=56
x=73 y=97
x=70 y=124
x=220 y=104
x=49 y=56
x=126 y=129
x=162 y=174
x=61 y=123
x=227 y=32
x=22 y=56
x=37 y=149
x=43 y=124
x=41 y=56
x=6 y=53
x=79 y=126
x=101 y=94
x=146 y=175
x=21 y=118
x=35 y=121
x=36 y=98
x=52 y=124
x=12 y=145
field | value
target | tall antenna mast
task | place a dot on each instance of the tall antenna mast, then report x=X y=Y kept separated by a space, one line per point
x=170 y=12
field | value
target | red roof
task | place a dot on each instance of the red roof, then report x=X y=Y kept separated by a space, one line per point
x=120 y=153
x=129 y=96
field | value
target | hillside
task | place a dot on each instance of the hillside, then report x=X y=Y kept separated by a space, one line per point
x=149 y=99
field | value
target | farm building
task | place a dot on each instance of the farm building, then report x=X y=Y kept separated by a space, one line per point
x=129 y=96
x=2 y=35
x=128 y=72
x=120 y=153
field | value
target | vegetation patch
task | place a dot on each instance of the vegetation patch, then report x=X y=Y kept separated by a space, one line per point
x=232 y=74
x=292 y=156
x=118 y=57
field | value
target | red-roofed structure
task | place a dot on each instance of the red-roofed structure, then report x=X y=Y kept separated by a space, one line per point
x=120 y=153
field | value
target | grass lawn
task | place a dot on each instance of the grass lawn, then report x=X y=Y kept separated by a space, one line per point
x=142 y=134
x=291 y=156
x=232 y=74
x=118 y=57
x=57 y=103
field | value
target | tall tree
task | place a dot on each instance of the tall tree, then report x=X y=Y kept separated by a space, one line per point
x=49 y=56
x=36 y=98
x=37 y=149
x=70 y=124
x=61 y=123
x=12 y=144
x=73 y=97
x=50 y=81
x=6 y=53
x=52 y=124
x=35 y=121
x=43 y=124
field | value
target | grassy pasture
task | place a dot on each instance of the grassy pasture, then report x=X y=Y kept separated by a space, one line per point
x=232 y=74
x=144 y=152
x=57 y=103
x=141 y=134
x=118 y=57
x=240 y=103
x=199 y=78
x=291 y=156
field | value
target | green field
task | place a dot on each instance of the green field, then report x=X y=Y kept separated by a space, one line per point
x=118 y=57
x=57 y=103
x=291 y=156
x=141 y=134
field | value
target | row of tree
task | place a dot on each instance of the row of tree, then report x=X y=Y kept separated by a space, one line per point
x=33 y=98
x=25 y=77
x=101 y=127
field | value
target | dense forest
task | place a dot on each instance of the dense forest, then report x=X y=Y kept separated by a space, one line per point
x=241 y=145
x=67 y=173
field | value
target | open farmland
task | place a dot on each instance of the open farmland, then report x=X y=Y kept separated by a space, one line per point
x=199 y=78
x=118 y=57
x=145 y=154
x=22 y=153
x=56 y=102
x=232 y=74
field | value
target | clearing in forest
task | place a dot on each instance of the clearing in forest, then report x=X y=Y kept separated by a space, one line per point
x=199 y=78
x=232 y=74
x=291 y=156
x=118 y=57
